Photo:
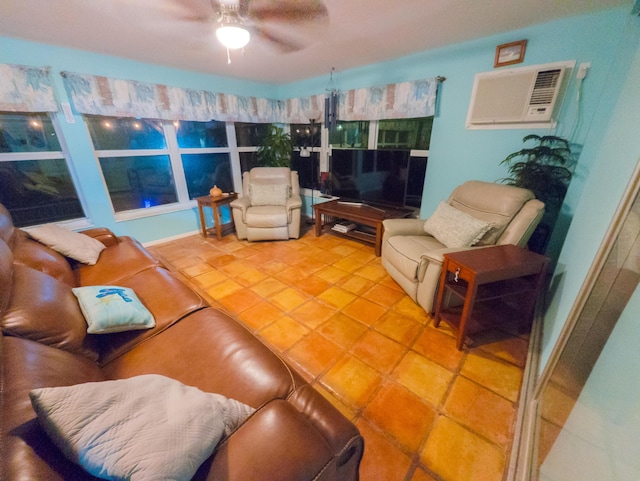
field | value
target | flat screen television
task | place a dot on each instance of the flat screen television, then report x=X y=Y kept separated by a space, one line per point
x=378 y=177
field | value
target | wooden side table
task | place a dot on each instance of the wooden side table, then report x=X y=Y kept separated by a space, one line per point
x=486 y=287
x=215 y=203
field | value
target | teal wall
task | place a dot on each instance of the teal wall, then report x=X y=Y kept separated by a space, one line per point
x=609 y=40
x=612 y=153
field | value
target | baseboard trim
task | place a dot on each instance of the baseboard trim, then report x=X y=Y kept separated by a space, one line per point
x=172 y=238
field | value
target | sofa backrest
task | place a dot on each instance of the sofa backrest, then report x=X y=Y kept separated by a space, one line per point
x=6 y=224
x=38 y=307
x=279 y=175
x=6 y=276
x=512 y=211
x=31 y=253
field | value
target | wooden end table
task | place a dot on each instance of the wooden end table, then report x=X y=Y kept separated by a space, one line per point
x=215 y=203
x=358 y=213
x=486 y=287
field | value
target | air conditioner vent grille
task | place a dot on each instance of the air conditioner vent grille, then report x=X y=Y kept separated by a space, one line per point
x=545 y=87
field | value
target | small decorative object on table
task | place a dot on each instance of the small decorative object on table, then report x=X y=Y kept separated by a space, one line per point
x=215 y=191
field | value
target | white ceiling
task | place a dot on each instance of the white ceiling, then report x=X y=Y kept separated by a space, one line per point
x=358 y=32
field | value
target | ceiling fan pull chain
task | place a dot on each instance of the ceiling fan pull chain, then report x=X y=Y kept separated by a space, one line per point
x=228 y=57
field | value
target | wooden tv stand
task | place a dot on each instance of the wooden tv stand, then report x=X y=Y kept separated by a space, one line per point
x=329 y=213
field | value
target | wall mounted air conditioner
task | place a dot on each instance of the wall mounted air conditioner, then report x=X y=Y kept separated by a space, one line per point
x=525 y=97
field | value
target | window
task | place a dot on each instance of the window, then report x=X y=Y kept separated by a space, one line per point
x=148 y=163
x=405 y=133
x=305 y=158
x=381 y=161
x=248 y=138
x=354 y=135
x=205 y=155
x=36 y=183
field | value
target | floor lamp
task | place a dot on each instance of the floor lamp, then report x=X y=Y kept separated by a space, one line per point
x=313 y=116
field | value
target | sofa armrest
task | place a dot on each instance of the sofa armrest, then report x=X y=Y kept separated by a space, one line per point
x=393 y=227
x=102 y=234
x=294 y=202
x=437 y=255
x=241 y=204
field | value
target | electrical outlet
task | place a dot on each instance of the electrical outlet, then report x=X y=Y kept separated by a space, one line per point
x=582 y=70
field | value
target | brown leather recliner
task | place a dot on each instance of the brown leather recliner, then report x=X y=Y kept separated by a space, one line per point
x=414 y=258
x=269 y=208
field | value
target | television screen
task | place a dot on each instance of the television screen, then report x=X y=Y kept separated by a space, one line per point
x=386 y=177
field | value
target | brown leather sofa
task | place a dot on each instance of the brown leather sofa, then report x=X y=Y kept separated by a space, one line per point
x=294 y=434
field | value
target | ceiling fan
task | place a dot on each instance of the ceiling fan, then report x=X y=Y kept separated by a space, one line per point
x=279 y=23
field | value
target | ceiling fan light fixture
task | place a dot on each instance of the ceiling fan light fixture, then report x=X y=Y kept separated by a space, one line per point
x=232 y=36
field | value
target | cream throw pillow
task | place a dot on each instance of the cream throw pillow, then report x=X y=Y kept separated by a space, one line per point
x=455 y=228
x=269 y=194
x=68 y=243
x=146 y=427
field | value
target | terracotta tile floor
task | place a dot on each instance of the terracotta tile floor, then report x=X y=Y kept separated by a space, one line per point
x=427 y=411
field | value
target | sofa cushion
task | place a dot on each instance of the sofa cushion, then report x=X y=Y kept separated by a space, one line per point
x=213 y=352
x=112 y=309
x=117 y=262
x=27 y=452
x=80 y=247
x=146 y=427
x=268 y=216
x=31 y=253
x=166 y=297
x=44 y=309
x=455 y=228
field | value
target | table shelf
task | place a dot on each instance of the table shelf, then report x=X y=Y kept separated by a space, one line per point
x=365 y=216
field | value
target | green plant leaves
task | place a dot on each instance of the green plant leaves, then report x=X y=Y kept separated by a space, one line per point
x=275 y=149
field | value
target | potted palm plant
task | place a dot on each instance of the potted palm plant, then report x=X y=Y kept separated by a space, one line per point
x=545 y=169
x=275 y=148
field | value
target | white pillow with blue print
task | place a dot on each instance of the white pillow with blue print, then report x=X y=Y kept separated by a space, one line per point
x=112 y=309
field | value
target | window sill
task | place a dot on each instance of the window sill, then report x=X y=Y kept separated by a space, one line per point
x=152 y=211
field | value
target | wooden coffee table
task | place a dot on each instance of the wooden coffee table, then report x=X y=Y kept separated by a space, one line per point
x=361 y=214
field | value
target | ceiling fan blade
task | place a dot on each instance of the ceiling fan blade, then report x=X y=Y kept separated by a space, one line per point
x=287 y=10
x=285 y=45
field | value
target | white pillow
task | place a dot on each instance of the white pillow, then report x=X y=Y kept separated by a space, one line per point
x=112 y=309
x=147 y=427
x=455 y=228
x=71 y=244
x=269 y=194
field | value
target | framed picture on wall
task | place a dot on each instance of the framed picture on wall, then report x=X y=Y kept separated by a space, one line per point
x=510 y=53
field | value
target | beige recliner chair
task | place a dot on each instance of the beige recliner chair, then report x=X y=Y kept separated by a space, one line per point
x=414 y=258
x=269 y=208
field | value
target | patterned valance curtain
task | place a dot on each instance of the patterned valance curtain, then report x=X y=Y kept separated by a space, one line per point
x=26 y=89
x=97 y=95
x=393 y=101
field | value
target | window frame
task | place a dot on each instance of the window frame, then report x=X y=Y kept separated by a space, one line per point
x=174 y=153
x=63 y=153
